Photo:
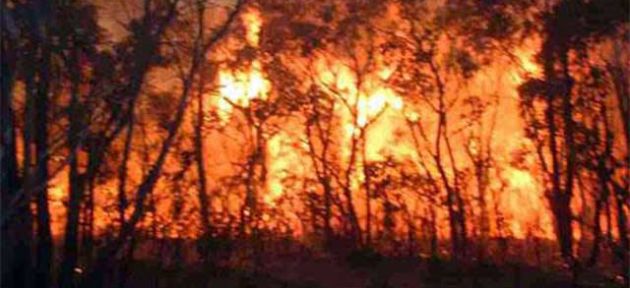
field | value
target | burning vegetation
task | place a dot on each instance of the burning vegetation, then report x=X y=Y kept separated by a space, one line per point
x=211 y=136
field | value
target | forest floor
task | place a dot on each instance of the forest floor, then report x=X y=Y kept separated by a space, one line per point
x=299 y=272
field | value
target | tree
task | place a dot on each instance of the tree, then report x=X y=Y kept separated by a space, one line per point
x=147 y=184
x=568 y=27
x=16 y=246
x=428 y=83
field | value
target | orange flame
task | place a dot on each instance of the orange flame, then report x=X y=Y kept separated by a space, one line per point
x=240 y=86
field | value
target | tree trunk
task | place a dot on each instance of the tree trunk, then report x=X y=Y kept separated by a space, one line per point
x=16 y=233
x=70 y=247
x=620 y=82
x=355 y=228
x=454 y=201
x=570 y=152
x=622 y=229
x=559 y=197
x=202 y=193
x=88 y=211
x=122 y=171
x=320 y=160
x=368 y=196
x=44 y=236
x=93 y=277
x=28 y=177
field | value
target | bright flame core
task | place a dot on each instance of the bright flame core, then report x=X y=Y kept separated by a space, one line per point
x=369 y=100
x=238 y=87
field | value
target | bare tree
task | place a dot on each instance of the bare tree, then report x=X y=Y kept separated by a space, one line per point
x=556 y=135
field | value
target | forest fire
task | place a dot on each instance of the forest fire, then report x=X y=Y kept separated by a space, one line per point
x=260 y=135
x=241 y=86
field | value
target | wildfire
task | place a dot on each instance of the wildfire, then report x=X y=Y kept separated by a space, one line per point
x=369 y=96
x=364 y=102
x=520 y=179
x=253 y=22
x=242 y=85
x=239 y=87
x=525 y=65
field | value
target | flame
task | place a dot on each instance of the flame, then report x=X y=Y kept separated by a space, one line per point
x=526 y=206
x=240 y=86
x=520 y=179
x=253 y=22
x=372 y=98
x=367 y=104
x=525 y=64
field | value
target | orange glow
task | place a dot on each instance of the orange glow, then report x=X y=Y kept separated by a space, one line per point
x=241 y=85
x=370 y=99
x=365 y=103
x=525 y=65
x=253 y=22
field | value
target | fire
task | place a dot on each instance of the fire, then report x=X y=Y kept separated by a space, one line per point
x=521 y=179
x=238 y=87
x=371 y=98
x=525 y=64
x=365 y=103
x=253 y=21
x=383 y=128
x=375 y=102
x=57 y=196
x=526 y=206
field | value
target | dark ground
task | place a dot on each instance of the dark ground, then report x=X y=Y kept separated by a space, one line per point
x=357 y=272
